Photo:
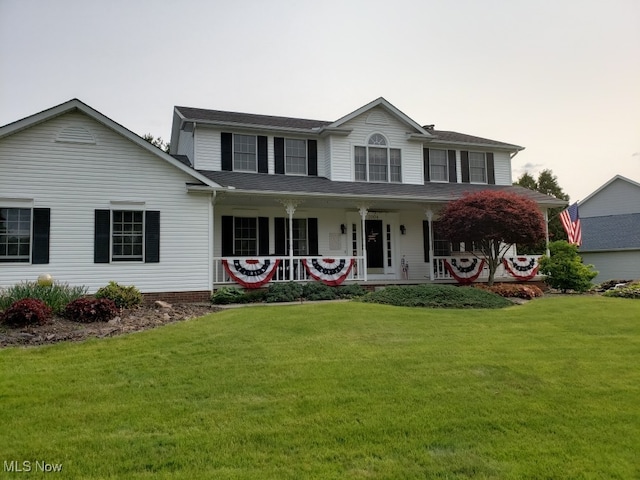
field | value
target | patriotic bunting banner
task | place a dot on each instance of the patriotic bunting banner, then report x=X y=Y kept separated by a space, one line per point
x=330 y=271
x=521 y=267
x=464 y=270
x=251 y=273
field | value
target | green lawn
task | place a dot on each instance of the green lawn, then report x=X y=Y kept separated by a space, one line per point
x=547 y=390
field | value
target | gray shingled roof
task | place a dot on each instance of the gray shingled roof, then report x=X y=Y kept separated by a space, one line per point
x=612 y=232
x=289 y=184
x=270 y=121
x=199 y=114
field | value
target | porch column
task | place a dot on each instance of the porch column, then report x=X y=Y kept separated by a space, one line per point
x=546 y=229
x=429 y=214
x=290 y=208
x=363 y=215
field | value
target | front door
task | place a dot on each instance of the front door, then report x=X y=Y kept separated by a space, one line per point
x=375 y=246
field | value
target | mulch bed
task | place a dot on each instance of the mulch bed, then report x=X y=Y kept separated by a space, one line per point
x=60 y=329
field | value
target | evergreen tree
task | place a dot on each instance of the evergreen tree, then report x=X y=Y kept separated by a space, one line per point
x=546 y=183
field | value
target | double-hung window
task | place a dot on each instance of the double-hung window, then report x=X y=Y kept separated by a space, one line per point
x=377 y=162
x=127 y=235
x=131 y=235
x=245 y=236
x=15 y=234
x=245 y=153
x=438 y=165
x=295 y=156
x=477 y=167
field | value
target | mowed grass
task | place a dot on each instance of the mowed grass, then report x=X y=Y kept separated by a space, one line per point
x=547 y=390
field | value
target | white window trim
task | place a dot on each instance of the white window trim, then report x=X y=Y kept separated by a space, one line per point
x=486 y=173
x=23 y=205
x=233 y=153
x=127 y=207
x=366 y=147
x=306 y=158
x=446 y=166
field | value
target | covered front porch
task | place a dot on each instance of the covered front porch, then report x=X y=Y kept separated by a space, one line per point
x=255 y=272
x=263 y=239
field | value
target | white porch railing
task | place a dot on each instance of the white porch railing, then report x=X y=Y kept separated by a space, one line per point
x=284 y=272
x=440 y=271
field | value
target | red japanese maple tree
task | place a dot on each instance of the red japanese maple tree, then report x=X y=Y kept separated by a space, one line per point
x=494 y=221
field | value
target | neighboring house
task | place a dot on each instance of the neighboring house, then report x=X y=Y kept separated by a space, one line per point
x=242 y=198
x=610 y=219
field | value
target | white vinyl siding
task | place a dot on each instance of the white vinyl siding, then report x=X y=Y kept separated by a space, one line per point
x=74 y=180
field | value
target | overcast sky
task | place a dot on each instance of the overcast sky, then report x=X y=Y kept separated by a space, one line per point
x=559 y=77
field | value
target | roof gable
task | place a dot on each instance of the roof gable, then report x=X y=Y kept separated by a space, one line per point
x=381 y=102
x=77 y=105
x=607 y=185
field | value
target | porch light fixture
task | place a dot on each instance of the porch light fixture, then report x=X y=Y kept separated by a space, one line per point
x=343 y=228
x=403 y=229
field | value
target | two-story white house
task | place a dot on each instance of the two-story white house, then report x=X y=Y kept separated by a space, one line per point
x=242 y=198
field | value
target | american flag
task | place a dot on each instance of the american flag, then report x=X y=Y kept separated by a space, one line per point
x=571 y=223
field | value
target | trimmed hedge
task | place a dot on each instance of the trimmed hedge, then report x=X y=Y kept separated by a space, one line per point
x=513 y=290
x=123 y=297
x=437 y=296
x=88 y=310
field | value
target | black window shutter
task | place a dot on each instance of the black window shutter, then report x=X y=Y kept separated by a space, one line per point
x=464 y=163
x=425 y=160
x=312 y=157
x=263 y=235
x=453 y=174
x=312 y=226
x=41 y=223
x=102 y=232
x=279 y=235
x=263 y=166
x=425 y=239
x=491 y=171
x=278 y=151
x=152 y=236
x=226 y=229
x=226 y=147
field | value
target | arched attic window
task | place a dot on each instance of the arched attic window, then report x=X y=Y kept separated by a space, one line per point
x=377 y=162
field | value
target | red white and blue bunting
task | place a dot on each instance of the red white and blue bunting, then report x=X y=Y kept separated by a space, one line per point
x=251 y=273
x=522 y=268
x=330 y=271
x=464 y=270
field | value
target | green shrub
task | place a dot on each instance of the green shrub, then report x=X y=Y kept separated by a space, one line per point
x=318 y=291
x=227 y=295
x=350 y=291
x=26 y=312
x=564 y=268
x=55 y=296
x=284 y=292
x=123 y=297
x=87 y=310
x=632 y=290
x=437 y=296
x=513 y=290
